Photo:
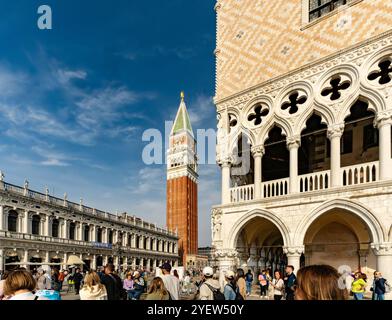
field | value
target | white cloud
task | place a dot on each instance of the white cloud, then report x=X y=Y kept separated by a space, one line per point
x=65 y=76
x=202 y=109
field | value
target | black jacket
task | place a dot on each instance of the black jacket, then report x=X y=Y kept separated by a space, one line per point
x=113 y=285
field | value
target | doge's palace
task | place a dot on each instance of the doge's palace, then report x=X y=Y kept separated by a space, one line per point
x=304 y=102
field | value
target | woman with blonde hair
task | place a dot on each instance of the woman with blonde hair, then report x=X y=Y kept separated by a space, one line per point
x=157 y=290
x=319 y=282
x=93 y=289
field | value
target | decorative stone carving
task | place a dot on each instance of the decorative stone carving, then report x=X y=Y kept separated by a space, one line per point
x=335 y=130
x=294 y=141
x=258 y=151
x=216 y=224
x=381 y=249
x=294 y=251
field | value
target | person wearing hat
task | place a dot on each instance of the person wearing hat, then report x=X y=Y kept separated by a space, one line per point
x=231 y=288
x=172 y=284
x=209 y=285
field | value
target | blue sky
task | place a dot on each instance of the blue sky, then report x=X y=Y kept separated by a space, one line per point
x=75 y=100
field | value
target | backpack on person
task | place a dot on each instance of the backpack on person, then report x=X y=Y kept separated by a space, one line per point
x=238 y=296
x=217 y=294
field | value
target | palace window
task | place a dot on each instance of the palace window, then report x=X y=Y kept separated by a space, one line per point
x=55 y=228
x=12 y=221
x=319 y=8
x=35 y=225
x=72 y=231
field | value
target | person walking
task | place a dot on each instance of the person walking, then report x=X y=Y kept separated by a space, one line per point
x=61 y=278
x=241 y=283
x=209 y=285
x=92 y=288
x=157 y=290
x=278 y=286
x=358 y=286
x=78 y=278
x=319 y=282
x=249 y=282
x=263 y=281
x=289 y=282
x=112 y=283
x=379 y=286
x=172 y=283
x=128 y=285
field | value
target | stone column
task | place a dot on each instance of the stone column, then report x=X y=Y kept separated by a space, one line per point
x=26 y=258
x=2 y=223
x=258 y=152
x=42 y=226
x=80 y=232
x=293 y=144
x=383 y=252
x=93 y=229
x=65 y=261
x=47 y=258
x=226 y=165
x=94 y=262
x=2 y=259
x=47 y=226
x=65 y=232
x=294 y=256
x=26 y=222
x=105 y=260
x=335 y=133
x=133 y=241
x=383 y=123
x=148 y=266
x=134 y=263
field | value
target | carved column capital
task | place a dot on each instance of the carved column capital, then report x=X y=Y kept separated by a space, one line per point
x=335 y=130
x=382 y=249
x=293 y=141
x=383 y=118
x=258 y=151
x=294 y=251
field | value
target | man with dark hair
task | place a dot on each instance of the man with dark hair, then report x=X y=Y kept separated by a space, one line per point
x=289 y=282
x=112 y=282
x=172 y=284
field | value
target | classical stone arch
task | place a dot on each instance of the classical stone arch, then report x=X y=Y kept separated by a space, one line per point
x=375 y=228
x=258 y=213
x=325 y=114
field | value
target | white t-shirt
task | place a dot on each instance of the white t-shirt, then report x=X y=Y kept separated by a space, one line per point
x=172 y=284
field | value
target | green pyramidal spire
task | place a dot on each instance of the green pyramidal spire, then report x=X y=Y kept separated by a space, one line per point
x=182 y=122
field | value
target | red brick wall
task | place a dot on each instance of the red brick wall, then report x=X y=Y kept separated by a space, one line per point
x=181 y=214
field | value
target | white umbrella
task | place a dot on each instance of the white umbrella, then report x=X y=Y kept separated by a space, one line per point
x=74 y=260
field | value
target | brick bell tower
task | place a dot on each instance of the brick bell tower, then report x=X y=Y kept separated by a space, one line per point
x=182 y=180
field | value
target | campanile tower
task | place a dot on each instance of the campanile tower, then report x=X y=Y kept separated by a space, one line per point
x=182 y=179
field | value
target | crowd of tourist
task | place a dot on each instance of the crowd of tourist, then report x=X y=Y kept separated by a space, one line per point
x=318 y=282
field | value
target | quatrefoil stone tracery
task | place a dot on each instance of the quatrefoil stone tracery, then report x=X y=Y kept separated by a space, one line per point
x=295 y=100
x=336 y=86
x=384 y=72
x=259 y=112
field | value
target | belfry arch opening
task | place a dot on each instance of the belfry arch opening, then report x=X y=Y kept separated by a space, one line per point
x=259 y=244
x=339 y=237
